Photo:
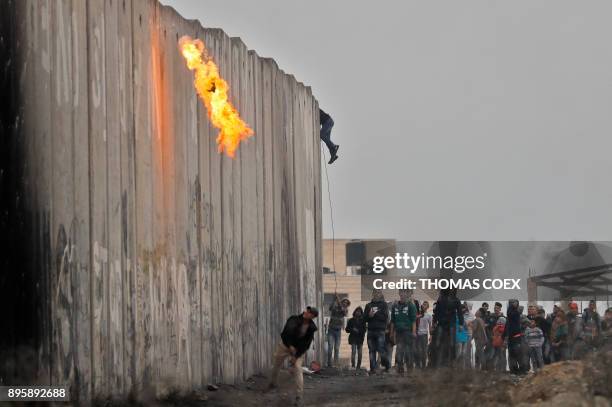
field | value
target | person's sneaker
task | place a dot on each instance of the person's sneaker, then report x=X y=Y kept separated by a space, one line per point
x=334 y=158
x=299 y=402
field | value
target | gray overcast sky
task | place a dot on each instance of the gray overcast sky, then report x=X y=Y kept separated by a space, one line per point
x=466 y=120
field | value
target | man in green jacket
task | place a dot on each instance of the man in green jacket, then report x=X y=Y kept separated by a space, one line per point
x=403 y=322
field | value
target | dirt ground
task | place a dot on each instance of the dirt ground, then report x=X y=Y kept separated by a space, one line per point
x=573 y=383
x=333 y=387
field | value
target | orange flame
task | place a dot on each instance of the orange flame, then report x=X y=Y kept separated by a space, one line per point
x=213 y=90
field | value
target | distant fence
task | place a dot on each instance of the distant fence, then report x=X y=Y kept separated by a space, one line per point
x=146 y=258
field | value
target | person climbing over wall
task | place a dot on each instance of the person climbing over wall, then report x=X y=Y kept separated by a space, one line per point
x=296 y=337
x=326 y=126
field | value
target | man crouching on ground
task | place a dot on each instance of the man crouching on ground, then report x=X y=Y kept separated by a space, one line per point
x=296 y=339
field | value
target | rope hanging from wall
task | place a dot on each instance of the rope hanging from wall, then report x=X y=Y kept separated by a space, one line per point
x=331 y=216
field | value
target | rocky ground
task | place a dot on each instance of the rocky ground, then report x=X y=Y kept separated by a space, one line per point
x=573 y=383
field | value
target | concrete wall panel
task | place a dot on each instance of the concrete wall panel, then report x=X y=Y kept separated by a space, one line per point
x=158 y=263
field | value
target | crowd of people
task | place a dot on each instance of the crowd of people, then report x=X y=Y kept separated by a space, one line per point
x=451 y=335
x=454 y=335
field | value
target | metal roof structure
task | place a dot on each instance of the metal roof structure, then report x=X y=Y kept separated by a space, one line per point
x=582 y=282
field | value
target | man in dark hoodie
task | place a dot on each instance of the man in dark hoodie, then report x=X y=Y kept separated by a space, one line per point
x=376 y=316
x=296 y=339
x=544 y=325
x=356 y=328
x=514 y=333
x=447 y=313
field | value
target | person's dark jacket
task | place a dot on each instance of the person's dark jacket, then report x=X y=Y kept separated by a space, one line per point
x=356 y=328
x=291 y=334
x=337 y=314
x=544 y=325
x=513 y=323
x=447 y=311
x=591 y=318
x=378 y=321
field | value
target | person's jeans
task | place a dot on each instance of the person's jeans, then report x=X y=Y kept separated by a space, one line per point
x=388 y=351
x=444 y=346
x=480 y=361
x=326 y=128
x=560 y=352
x=376 y=344
x=517 y=360
x=502 y=360
x=356 y=353
x=460 y=350
x=514 y=354
x=546 y=352
x=464 y=353
x=489 y=354
x=535 y=356
x=333 y=345
x=579 y=349
x=499 y=359
x=403 y=353
x=421 y=350
x=467 y=356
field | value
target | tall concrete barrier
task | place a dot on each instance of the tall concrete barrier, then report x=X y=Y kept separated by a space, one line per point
x=136 y=257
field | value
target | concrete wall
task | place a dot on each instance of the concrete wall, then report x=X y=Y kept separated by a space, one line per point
x=152 y=261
